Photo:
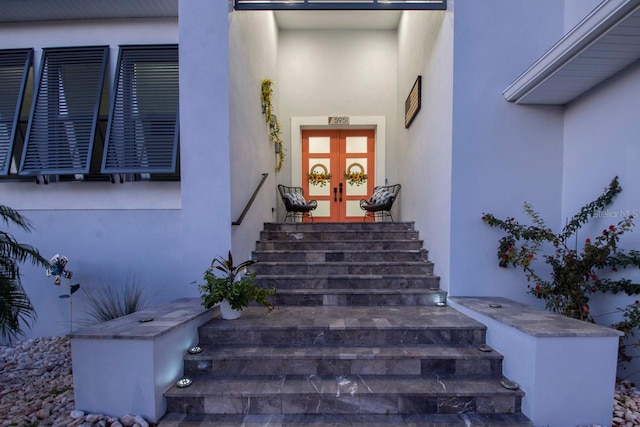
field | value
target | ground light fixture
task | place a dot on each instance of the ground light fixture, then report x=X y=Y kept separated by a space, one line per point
x=195 y=349
x=183 y=382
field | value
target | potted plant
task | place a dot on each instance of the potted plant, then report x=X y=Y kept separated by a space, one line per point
x=232 y=290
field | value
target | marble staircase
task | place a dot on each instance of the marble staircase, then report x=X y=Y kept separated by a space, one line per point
x=360 y=335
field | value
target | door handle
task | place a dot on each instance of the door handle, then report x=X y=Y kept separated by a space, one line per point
x=335 y=191
x=340 y=191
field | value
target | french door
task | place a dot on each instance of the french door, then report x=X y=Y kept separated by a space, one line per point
x=338 y=170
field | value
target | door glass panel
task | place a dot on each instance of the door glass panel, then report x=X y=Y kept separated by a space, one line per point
x=356 y=176
x=356 y=144
x=323 y=209
x=353 y=208
x=319 y=171
x=319 y=144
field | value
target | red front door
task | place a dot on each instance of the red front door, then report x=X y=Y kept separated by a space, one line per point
x=338 y=169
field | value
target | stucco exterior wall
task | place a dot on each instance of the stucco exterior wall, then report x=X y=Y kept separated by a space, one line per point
x=253 y=56
x=503 y=154
x=339 y=73
x=113 y=234
x=601 y=141
x=425 y=47
x=204 y=134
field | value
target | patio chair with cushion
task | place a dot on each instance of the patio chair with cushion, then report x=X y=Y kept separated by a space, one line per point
x=380 y=203
x=296 y=205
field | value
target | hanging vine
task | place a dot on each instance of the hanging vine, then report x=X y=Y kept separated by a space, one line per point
x=272 y=121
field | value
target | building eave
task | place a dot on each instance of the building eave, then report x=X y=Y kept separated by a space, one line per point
x=62 y=10
x=600 y=46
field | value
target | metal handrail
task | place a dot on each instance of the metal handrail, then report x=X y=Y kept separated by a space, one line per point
x=250 y=202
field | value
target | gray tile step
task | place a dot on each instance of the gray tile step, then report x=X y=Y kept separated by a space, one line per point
x=340 y=226
x=330 y=255
x=358 y=297
x=353 y=281
x=424 y=361
x=343 y=394
x=368 y=245
x=352 y=420
x=344 y=235
x=345 y=326
x=343 y=268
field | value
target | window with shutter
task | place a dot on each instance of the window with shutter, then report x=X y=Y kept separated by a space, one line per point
x=142 y=134
x=64 y=116
x=15 y=68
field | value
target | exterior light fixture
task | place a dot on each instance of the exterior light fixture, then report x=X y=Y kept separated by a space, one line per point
x=195 y=349
x=183 y=382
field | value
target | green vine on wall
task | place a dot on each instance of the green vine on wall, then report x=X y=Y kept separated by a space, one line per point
x=272 y=121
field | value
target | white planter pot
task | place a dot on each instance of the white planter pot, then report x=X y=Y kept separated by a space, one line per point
x=227 y=312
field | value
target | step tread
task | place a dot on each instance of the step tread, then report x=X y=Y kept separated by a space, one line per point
x=352 y=420
x=365 y=291
x=331 y=250
x=340 y=263
x=334 y=386
x=347 y=276
x=342 y=353
x=346 y=318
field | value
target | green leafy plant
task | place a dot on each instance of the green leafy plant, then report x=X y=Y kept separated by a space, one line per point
x=576 y=274
x=266 y=96
x=238 y=292
x=15 y=306
x=111 y=302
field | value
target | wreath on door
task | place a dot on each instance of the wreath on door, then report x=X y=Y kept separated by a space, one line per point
x=318 y=175
x=355 y=174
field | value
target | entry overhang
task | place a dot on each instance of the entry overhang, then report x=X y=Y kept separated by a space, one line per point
x=340 y=4
x=603 y=44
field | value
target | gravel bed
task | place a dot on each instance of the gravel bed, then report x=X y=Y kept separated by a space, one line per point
x=36 y=389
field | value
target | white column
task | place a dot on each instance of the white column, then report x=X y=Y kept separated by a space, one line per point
x=204 y=133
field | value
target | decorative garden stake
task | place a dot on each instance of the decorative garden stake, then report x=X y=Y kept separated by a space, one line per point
x=58 y=269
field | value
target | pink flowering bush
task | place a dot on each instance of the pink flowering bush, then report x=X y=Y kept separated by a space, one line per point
x=576 y=274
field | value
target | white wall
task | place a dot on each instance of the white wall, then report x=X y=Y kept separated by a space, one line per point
x=503 y=154
x=576 y=10
x=338 y=73
x=253 y=56
x=601 y=141
x=425 y=47
x=109 y=232
x=204 y=134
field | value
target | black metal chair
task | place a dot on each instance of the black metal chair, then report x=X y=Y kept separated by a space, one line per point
x=295 y=203
x=380 y=203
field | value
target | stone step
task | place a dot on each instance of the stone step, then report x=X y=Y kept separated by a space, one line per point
x=358 y=297
x=345 y=326
x=330 y=255
x=351 y=394
x=423 y=361
x=387 y=281
x=344 y=235
x=339 y=226
x=343 y=268
x=351 y=420
x=338 y=245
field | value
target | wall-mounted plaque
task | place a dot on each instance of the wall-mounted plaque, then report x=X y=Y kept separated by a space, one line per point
x=338 y=120
x=413 y=103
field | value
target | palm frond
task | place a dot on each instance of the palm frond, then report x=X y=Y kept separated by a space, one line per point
x=11 y=216
x=15 y=308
